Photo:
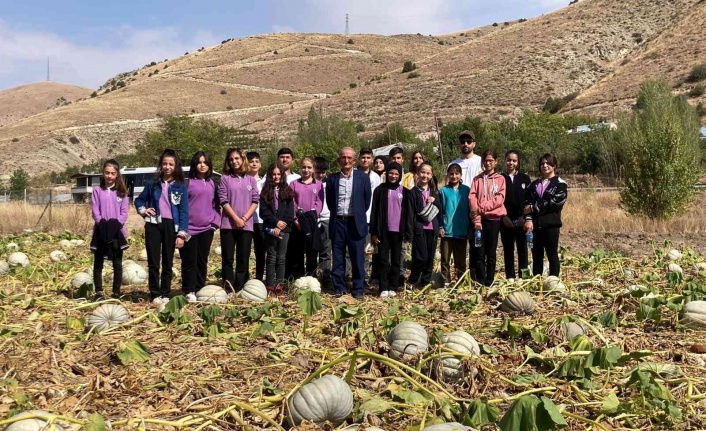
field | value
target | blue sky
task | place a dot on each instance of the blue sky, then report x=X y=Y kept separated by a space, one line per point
x=88 y=41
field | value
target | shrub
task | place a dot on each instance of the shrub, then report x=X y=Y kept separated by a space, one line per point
x=413 y=75
x=495 y=24
x=306 y=49
x=352 y=85
x=154 y=63
x=700 y=110
x=408 y=66
x=350 y=42
x=229 y=108
x=698 y=73
x=94 y=94
x=661 y=143
x=275 y=52
x=74 y=140
x=120 y=84
x=15 y=139
x=223 y=91
x=697 y=91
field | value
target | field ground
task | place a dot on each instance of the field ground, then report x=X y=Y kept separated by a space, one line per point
x=227 y=366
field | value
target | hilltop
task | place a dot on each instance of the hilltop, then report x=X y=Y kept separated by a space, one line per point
x=27 y=100
x=593 y=50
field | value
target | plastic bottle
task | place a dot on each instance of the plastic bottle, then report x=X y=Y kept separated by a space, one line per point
x=271 y=231
x=478 y=238
x=530 y=239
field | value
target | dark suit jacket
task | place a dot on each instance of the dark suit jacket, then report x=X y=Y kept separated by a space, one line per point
x=361 y=200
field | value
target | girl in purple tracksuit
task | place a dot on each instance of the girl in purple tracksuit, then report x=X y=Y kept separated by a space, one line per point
x=238 y=197
x=110 y=209
x=309 y=200
x=204 y=219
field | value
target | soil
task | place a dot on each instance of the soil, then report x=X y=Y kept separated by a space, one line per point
x=630 y=244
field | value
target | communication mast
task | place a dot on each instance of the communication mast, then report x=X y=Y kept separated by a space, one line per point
x=48 y=77
x=346 y=24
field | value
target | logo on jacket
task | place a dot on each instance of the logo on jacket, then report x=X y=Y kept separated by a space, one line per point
x=175 y=198
x=119 y=199
x=399 y=196
x=249 y=187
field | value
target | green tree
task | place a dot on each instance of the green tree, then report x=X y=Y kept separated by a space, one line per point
x=661 y=141
x=325 y=135
x=19 y=182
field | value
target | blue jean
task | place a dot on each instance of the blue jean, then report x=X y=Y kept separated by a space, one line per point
x=345 y=236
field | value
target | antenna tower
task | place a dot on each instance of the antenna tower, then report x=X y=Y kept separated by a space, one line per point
x=346 y=24
x=48 y=78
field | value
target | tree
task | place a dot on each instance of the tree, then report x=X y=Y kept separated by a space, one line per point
x=325 y=135
x=661 y=141
x=19 y=182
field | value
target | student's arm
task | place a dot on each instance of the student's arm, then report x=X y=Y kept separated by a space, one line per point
x=142 y=200
x=555 y=202
x=374 y=230
x=225 y=204
x=473 y=202
x=183 y=209
x=124 y=209
x=319 y=201
x=95 y=204
x=216 y=217
x=267 y=214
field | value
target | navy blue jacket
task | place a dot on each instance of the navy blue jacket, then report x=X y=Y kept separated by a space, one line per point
x=361 y=200
x=178 y=199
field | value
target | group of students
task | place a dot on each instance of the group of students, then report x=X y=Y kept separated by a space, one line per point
x=285 y=217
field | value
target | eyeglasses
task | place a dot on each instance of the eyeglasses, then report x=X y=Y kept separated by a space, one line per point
x=466 y=141
x=489 y=161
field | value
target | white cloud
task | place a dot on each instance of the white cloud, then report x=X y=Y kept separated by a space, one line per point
x=23 y=54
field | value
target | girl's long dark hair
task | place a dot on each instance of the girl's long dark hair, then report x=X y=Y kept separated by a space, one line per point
x=268 y=190
x=178 y=174
x=193 y=173
x=120 y=188
x=413 y=169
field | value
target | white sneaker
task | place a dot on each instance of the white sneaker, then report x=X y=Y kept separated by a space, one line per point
x=510 y=280
x=191 y=297
x=385 y=294
x=158 y=301
x=392 y=293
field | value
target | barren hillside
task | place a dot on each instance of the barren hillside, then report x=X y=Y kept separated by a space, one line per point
x=26 y=100
x=267 y=83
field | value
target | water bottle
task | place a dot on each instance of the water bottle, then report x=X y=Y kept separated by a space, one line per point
x=530 y=239
x=271 y=231
x=478 y=238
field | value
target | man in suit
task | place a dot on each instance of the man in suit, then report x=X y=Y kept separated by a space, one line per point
x=348 y=195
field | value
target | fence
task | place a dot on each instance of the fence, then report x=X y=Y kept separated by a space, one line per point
x=45 y=209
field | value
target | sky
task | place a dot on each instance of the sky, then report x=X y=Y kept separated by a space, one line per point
x=88 y=42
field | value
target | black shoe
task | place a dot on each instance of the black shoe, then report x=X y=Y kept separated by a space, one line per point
x=99 y=296
x=359 y=296
x=115 y=295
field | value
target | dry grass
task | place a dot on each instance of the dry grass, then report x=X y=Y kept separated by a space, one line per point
x=601 y=212
x=16 y=217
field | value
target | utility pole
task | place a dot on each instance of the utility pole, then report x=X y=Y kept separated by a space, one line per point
x=438 y=138
x=346 y=24
x=48 y=77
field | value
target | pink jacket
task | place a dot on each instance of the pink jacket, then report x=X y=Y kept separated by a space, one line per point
x=487 y=197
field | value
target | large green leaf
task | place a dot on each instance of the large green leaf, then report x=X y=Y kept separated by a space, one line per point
x=95 y=423
x=610 y=404
x=375 y=406
x=481 y=413
x=529 y=413
x=309 y=301
x=209 y=313
x=133 y=351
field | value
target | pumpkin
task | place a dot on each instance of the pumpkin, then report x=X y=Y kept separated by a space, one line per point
x=254 y=290
x=553 y=284
x=673 y=267
x=134 y=274
x=449 y=426
x=357 y=427
x=107 y=315
x=308 y=282
x=77 y=242
x=407 y=340
x=143 y=254
x=80 y=279
x=628 y=274
x=328 y=398
x=57 y=256
x=32 y=424
x=217 y=250
x=571 y=330
x=674 y=254
x=449 y=368
x=65 y=244
x=694 y=315
x=4 y=266
x=212 y=293
x=127 y=262
x=700 y=267
x=518 y=302
x=18 y=258
x=437 y=281
x=12 y=246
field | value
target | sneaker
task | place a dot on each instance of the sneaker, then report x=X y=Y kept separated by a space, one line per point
x=392 y=293
x=115 y=295
x=385 y=294
x=160 y=300
x=99 y=296
x=510 y=280
x=191 y=297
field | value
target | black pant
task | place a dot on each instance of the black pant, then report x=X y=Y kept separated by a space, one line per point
x=302 y=259
x=194 y=261
x=117 y=260
x=423 y=250
x=325 y=254
x=509 y=237
x=546 y=239
x=488 y=252
x=389 y=253
x=160 y=239
x=276 y=255
x=235 y=243
x=258 y=240
x=472 y=256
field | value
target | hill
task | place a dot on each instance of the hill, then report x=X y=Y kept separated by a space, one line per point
x=27 y=100
x=267 y=83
